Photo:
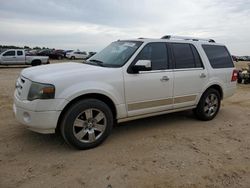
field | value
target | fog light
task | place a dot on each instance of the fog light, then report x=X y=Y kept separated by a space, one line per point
x=26 y=117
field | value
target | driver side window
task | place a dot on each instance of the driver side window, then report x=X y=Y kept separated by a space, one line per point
x=9 y=53
x=156 y=53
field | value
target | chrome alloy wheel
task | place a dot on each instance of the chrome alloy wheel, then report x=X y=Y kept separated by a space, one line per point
x=89 y=125
x=211 y=105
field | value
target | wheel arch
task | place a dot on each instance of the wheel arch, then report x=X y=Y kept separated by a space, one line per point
x=98 y=96
x=36 y=61
x=216 y=87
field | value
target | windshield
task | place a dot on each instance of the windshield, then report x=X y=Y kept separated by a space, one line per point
x=116 y=54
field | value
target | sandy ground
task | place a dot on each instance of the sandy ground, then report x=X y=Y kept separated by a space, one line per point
x=173 y=150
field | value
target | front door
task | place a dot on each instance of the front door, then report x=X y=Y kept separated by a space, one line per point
x=9 y=57
x=150 y=91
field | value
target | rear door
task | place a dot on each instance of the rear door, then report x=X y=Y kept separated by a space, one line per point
x=9 y=57
x=190 y=76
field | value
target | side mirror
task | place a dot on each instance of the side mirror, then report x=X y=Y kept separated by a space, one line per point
x=142 y=65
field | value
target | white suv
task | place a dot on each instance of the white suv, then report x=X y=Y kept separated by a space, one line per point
x=127 y=80
x=77 y=55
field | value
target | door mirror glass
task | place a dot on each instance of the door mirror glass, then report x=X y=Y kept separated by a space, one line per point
x=142 y=65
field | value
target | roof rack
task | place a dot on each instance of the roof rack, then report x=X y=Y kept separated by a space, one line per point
x=186 y=38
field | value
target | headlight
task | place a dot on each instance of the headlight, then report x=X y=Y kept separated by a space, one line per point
x=41 y=91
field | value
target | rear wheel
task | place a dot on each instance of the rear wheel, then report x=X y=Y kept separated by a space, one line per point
x=209 y=105
x=72 y=57
x=87 y=123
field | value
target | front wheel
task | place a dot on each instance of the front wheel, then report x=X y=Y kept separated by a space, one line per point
x=87 y=123
x=209 y=105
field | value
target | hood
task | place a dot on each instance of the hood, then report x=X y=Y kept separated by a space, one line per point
x=53 y=72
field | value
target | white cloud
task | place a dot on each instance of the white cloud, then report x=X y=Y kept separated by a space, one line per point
x=93 y=24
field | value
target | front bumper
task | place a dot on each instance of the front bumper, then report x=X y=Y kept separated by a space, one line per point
x=38 y=115
x=42 y=122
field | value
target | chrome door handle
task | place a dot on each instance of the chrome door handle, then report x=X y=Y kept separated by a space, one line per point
x=203 y=75
x=164 y=78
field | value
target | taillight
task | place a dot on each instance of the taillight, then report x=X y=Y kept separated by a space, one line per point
x=234 y=75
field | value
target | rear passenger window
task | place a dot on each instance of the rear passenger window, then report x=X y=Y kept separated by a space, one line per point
x=183 y=56
x=19 y=53
x=157 y=53
x=218 y=56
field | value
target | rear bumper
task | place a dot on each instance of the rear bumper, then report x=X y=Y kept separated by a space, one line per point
x=42 y=122
x=229 y=91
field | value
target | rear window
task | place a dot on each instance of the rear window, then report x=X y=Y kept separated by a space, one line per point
x=19 y=53
x=218 y=56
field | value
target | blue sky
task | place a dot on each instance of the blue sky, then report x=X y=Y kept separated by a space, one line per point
x=92 y=24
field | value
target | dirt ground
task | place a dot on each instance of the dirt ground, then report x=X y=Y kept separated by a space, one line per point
x=173 y=150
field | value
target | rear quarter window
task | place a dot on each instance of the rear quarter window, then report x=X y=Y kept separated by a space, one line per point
x=218 y=56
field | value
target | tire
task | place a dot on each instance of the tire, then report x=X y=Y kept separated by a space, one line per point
x=87 y=123
x=72 y=57
x=208 y=105
x=59 y=57
x=36 y=63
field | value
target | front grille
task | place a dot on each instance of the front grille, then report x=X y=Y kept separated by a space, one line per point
x=22 y=87
x=22 y=80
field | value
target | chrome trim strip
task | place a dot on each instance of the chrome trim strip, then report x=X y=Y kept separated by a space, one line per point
x=188 y=69
x=149 y=104
x=184 y=99
x=161 y=102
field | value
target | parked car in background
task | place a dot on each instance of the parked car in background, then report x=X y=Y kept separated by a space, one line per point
x=32 y=52
x=247 y=58
x=44 y=52
x=53 y=54
x=77 y=55
x=18 y=57
x=56 y=54
x=67 y=51
x=242 y=58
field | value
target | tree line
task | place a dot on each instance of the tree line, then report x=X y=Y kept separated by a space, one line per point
x=18 y=47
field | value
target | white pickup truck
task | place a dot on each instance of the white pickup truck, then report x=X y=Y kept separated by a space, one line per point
x=18 y=57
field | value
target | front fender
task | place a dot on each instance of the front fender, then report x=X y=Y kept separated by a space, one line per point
x=79 y=89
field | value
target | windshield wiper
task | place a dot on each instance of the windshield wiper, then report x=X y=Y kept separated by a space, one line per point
x=97 y=61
